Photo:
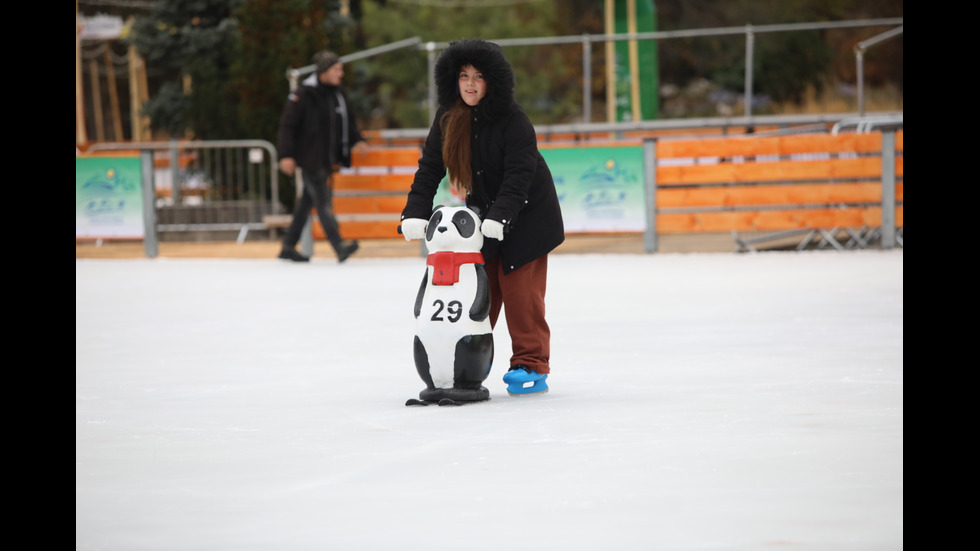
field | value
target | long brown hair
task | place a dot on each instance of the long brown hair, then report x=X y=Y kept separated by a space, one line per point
x=456 y=152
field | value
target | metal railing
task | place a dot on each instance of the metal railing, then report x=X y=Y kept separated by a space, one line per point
x=724 y=125
x=588 y=40
x=213 y=185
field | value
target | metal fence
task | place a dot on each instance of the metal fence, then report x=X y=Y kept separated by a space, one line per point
x=230 y=186
x=587 y=41
x=206 y=186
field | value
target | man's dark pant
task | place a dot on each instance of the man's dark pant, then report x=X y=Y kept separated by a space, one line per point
x=318 y=193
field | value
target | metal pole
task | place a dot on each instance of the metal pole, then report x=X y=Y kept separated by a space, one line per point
x=650 y=183
x=859 y=54
x=150 y=240
x=174 y=162
x=888 y=188
x=371 y=52
x=749 y=52
x=610 y=62
x=356 y=56
x=859 y=49
x=430 y=48
x=586 y=79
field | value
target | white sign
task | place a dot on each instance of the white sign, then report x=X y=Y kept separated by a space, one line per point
x=100 y=27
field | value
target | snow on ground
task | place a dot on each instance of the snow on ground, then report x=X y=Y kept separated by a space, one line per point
x=698 y=402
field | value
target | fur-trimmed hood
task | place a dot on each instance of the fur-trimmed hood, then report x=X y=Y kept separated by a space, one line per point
x=488 y=58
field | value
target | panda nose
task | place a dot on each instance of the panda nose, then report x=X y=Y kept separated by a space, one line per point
x=442 y=229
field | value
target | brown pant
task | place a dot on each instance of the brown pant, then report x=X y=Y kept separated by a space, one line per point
x=521 y=294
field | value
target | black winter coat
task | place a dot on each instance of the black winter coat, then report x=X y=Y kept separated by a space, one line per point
x=311 y=129
x=511 y=181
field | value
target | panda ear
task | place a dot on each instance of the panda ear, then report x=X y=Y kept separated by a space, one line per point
x=477 y=211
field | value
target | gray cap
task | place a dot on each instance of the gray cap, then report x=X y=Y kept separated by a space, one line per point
x=324 y=60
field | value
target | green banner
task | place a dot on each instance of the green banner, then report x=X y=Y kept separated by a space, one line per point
x=108 y=198
x=600 y=188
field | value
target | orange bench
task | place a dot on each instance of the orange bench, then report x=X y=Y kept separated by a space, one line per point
x=819 y=183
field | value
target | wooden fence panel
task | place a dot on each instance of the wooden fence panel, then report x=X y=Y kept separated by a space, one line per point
x=804 y=194
x=772 y=220
x=752 y=146
x=721 y=173
x=747 y=183
x=370 y=195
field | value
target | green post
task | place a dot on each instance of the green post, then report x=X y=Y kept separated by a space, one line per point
x=646 y=66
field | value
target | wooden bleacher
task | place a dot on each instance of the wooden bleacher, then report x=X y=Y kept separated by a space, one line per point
x=814 y=184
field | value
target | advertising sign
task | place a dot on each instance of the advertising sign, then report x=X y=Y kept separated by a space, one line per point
x=600 y=188
x=108 y=198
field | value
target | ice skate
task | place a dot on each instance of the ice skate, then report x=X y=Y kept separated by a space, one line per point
x=521 y=381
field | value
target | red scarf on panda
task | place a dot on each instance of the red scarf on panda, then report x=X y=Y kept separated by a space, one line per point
x=445 y=265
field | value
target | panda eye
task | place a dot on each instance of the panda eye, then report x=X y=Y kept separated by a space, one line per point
x=464 y=224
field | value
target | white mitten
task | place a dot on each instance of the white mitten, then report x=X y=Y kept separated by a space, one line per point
x=414 y=228
x=492 y=229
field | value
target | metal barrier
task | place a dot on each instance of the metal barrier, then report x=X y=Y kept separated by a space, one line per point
x=206 y=186
x=232 y=186
x=868 y=123
x=586 y=40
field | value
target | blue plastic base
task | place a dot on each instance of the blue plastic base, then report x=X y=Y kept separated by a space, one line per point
x=520 y=382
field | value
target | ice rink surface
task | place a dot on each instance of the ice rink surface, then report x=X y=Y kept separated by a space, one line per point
x=698 y=402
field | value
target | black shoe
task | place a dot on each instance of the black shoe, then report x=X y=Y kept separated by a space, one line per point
x=293 y=254
x=347 y=248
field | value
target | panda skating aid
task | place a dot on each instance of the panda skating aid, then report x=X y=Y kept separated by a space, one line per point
x=453 y=347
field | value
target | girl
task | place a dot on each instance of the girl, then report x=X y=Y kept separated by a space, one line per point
x=488 y=145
